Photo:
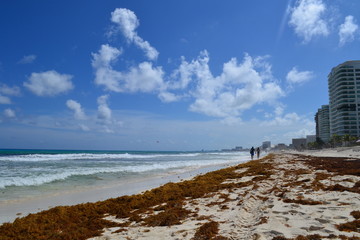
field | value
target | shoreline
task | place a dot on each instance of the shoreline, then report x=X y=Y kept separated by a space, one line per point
x=12 y=209
x=281 y=197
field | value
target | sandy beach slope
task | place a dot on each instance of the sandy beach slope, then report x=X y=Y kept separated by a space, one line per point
x=282 y=196
x=10 y=210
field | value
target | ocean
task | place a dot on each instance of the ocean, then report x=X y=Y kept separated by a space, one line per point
x=30 y=173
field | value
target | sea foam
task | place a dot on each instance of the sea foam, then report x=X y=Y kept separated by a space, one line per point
x=38 y=169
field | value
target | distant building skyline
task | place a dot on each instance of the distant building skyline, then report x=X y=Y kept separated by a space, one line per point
x=266 y=144
x=298 y=143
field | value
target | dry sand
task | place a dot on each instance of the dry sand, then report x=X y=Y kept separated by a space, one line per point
x=267 y=209
x=282 y=196
x=352 y=152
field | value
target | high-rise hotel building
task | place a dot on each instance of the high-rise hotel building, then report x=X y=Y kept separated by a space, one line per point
x=344 y=99
x=323 y=123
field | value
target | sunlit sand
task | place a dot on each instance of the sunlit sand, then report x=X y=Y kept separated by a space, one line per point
x=281 y=196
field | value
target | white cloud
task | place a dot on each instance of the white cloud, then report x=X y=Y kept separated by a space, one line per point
x=4 y=100
x=209 y=134
x=104 y=74
x=239 y=87
x=10 y=91
x=141 y=78
x=84 y=128
x=289 y=124
x=106 y=129
x=106 y=56
x=301 y=133
x=127 y=23
x=279 y=110
x=307 y=19
x=284 y=120
x=49 y=83
x=27 y=59
x=168 y=97
x=104 y=112
x=187 y=72
x=347 y=30
x=76 y=107
x=296 y=77
x=9 y=113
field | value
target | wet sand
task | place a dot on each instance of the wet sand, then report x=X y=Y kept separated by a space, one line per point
x=281 y=196
x=12 y=209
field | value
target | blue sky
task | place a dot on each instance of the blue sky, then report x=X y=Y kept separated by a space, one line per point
x=168 y=75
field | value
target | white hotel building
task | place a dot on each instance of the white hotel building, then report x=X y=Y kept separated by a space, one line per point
x=344 y=99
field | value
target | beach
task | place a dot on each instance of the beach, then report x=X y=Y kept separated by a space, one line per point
x=35 y=180
x=287 y=195
x=12 y=209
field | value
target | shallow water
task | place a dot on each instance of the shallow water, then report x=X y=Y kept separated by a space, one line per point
x=25 y=173
x=35 y=181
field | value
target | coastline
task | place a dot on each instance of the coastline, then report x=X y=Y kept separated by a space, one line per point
x=281 y=196
x=12 y=209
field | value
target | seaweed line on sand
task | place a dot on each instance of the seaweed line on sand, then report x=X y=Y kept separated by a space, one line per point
x=281 y=196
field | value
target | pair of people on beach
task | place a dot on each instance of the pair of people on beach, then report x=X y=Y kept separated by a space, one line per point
x=252 y=152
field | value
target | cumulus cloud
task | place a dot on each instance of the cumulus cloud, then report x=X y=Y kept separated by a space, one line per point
x=9 y=113
x=10 y=91
x=297 y=77
x=141 y=78
x=84 y=128
x=104 y=73
x=168 y=97
x=348 y=30
x=279 y=110
x=106 y=56
x=239 y=87
x=104 y=112
x=5 y=100
x=6 y=91
x=283 y=120
x=27 y=59
x=76 y=107
x=307 y=19
x=49 y=83
x=300 y=133
x=127 y=23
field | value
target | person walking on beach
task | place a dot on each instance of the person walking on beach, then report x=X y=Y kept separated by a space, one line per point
x=258 y=152
x=252 y=151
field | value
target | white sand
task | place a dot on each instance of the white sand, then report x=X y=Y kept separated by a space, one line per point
x=352 y=152
x=259 y=212
x=10 y=210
